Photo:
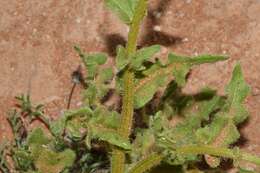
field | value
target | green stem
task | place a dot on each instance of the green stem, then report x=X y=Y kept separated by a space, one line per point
x=118 y=156
x=146 y=164
x=221 y=152
x=251 y=158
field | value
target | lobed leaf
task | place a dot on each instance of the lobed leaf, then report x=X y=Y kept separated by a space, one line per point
x=221 y=132
x=185 y=63
x=158 y=75
x=237 y=90
x=91 y=61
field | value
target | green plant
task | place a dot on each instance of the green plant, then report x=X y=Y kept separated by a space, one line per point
x=179 y=130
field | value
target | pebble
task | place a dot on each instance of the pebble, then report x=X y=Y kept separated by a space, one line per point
x=34 y=30
x=157 y=28
x=157 y=14
x=48 y=36
x=78 y=20
x=185 y=39
x=79 y=104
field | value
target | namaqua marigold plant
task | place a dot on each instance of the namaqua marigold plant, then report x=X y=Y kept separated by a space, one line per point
x=180 y=130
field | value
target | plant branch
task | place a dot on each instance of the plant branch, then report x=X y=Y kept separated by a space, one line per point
x=146 y=164
x=118 y=156
x=221 y=152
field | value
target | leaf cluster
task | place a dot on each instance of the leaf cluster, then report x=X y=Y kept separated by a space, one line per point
x=173 y=128
x=57 y=151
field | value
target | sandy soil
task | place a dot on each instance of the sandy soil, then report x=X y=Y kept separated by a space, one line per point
x=37 y=38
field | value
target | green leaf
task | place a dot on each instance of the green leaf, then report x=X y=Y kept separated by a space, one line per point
x=209 y=106
x=123 y=8
x=185 y=63
x=237 y=90
x=241 y=170
x=157 y=75
x=102 y=126
x=75 y=129
x=143 y=145
x=106 y=75
x=202 y=59
x=146 y=164
x=97 y=79
x=113 y=138
x=169 y=137
x=57 y=127
x=91 y=61
x=96 y=58
x=180 y=73
x=52 y=162
x=143 y=55
x=112 y=120
x=220 y=133
x=98 y=130
x=196 y=60
x=223 y=131
x=38 y=137
x=90 y=94
x=133 y=4
x=121 y=58
x=84 y=111
x=147 y=87
x=22 y=159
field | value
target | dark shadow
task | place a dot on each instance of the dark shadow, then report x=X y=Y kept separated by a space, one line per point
x=166 y=169
x=242 y=141
x=157 y=37
x=112 y=41
x=225 y=165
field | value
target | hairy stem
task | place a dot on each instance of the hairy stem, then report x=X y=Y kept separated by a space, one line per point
x=118 y=156
x=146 y=164
x=221 y=152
